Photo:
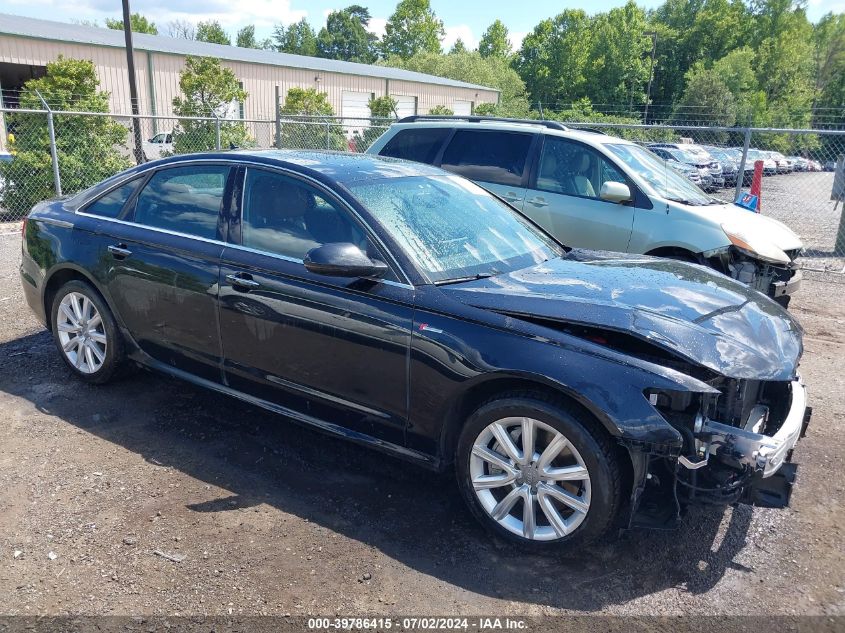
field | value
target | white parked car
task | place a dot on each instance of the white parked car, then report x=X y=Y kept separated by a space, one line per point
x=158 y=146
x=600 y=192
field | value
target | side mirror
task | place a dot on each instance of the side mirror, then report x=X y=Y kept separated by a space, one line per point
x=342 y=260
x=617 y=192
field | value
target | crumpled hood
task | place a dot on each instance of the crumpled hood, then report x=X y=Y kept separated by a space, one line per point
x=756 y=229
x=699 y=314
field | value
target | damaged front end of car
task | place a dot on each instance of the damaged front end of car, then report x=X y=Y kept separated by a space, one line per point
x=737 y=448
x=713 y=401
x=779 y=280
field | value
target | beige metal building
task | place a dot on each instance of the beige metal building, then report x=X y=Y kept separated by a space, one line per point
x=28 y=44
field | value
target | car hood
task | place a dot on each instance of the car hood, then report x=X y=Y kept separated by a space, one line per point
x=771 y=239
x=691 y=311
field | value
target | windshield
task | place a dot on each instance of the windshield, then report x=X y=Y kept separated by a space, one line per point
x=657 y=177
x=453 y=229
x=685 y=156
x=720 y=155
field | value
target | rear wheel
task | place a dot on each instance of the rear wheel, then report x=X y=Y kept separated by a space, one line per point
x=85 y=333
x=537 y=473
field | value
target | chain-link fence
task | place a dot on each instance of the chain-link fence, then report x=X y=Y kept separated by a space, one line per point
x=803 y=181
x=49 y=153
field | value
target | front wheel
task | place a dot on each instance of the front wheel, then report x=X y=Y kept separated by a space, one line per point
x=538 y=473
x=86 y=333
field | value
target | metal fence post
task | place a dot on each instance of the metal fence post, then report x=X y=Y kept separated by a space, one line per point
x=328 y=135
x=740 y=171
x=278 y=117
x=216 y=130
x=54 y=154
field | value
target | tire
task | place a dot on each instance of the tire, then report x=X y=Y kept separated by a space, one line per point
x=586 y=454
x=80 y=314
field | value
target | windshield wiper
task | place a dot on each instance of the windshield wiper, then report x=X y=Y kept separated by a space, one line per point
x=457 y=280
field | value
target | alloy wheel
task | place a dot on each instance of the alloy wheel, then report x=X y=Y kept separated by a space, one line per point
x=81 y=333
x=530 y=479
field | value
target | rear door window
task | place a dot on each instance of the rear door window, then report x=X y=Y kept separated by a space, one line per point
x=488 y=155
x=111 y=204
x=184 y=200
x=417 y=144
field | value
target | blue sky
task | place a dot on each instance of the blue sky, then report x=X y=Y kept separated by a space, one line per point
x=466 y=19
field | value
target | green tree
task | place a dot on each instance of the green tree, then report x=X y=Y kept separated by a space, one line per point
x=413 y=28
x=208 y=89
x=89 y=148
x=706 y=99
x=553 y=58
x=383 y=107
x=494 y=42
x=829 y=62
x=383 y=111
x=346 y=37
x=736 y=70
x=212 y=32
x=298 y=38
x=305 y=124
x=494 y=72
x=687 y=32
x=458 y=47
x=441 y=110
x=618 y=56
x=137 y=22
x=245 y=37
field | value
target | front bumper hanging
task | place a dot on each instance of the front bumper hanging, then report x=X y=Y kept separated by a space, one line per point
x=764 y=454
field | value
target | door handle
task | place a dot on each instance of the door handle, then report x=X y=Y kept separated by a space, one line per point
x=242 y=280
x=538 y=202
x=119 y=251
x=510 y=196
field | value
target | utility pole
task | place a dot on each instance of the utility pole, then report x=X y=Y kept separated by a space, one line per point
x=133 y=88
x=653 y=36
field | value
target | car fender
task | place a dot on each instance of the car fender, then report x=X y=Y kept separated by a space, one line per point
x=674 y=225
x=451 y=364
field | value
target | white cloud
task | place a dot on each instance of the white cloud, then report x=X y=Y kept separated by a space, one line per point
x=262 y=13
x=376 y=26
x=516 y=38
x=461 y=31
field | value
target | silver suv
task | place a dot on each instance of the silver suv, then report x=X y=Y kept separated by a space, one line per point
x=600 y=192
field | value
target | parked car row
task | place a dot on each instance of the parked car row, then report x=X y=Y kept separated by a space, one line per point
x=405 y=307
x=712 y=168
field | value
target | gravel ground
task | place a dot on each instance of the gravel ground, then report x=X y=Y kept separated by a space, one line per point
x=264 y=517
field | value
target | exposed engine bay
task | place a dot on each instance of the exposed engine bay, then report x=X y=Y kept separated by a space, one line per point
x=737 y=448
x=778 y=281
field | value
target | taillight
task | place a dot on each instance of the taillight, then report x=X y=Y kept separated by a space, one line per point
x=23 y=228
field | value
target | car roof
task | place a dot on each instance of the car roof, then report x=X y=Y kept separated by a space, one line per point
x=537 y=127
x=329 y=166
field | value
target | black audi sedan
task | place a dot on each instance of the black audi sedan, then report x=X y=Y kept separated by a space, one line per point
x=408 y=309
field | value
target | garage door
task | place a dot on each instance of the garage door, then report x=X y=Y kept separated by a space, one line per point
x=355 y=109
x=462 y=108
x=405 y=106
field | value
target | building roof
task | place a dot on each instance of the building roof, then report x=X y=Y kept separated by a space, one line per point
x=80 y=34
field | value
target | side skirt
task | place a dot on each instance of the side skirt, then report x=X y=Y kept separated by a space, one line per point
x=422 y=459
